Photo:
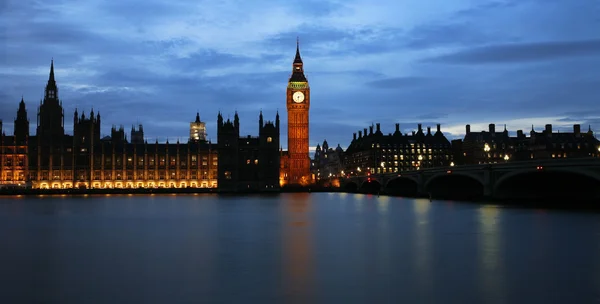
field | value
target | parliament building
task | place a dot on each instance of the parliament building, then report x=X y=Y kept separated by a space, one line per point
x=53 y=159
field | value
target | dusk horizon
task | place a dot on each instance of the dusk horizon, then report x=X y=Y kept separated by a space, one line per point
x=453 y=64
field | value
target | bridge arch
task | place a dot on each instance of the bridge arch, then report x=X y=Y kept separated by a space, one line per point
x=350 y=186
x=455 y=185
x=548 y=183
x=371 y=186
x=402 y=186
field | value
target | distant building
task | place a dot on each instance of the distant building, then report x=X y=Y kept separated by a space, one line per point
x=497 y=147
x=137 y=136
x=327 y=161
x=376 y=153
x=197 y=130
x=248 y=163
x=487 y=146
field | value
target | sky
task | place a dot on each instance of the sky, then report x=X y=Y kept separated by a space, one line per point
x=452 y=62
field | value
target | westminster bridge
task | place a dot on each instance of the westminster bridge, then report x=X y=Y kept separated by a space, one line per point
x=552 y=178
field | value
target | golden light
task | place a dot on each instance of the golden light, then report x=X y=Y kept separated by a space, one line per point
x=358 y=169
x=451 y=164
x=506 y=157
x=382 y=164
x=420 y=157
x=486 y=148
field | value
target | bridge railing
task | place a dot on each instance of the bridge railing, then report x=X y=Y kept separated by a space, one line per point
x=552 y=162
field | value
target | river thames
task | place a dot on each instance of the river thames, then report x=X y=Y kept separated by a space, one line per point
x=293 y=248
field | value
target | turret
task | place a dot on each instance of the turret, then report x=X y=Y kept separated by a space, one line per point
x=277 y=122
x=21 y=124
x=236 y=122
x=260 y=120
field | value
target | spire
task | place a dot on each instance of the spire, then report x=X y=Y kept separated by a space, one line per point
x=51 y=89
x=298 y=59
x=51 y=71
x=197 y=116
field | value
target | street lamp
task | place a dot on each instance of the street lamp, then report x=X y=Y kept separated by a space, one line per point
x=506 y=157
x=486 y=148
x=451 y=164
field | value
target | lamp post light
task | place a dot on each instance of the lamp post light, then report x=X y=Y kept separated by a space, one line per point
x=486 y=149
x=451 y=164
x=506 y=158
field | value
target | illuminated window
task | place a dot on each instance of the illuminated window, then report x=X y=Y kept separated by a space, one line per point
x=269 y=139
x=247 y=162
x=256 y=161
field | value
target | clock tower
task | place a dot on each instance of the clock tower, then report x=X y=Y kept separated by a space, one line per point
x=298 y=104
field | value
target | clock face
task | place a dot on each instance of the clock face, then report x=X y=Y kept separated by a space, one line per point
x=298 y=97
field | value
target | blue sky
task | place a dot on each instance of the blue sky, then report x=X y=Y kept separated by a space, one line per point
x=409 y=61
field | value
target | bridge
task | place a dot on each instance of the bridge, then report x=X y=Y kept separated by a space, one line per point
x=552 y=178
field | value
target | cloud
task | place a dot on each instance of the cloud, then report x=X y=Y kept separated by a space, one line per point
x=412 y=61
x=397 y=82
x=524 y=52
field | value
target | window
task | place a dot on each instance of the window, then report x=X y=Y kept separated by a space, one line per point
x=269 y=139
x=227 y=175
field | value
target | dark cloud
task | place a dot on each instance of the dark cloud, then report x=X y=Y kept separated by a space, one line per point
x=447 y=34
x=397 y=82
x=432 y=116
x=524 y=52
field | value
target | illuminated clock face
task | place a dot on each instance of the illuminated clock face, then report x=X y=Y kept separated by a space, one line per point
x=298 y=97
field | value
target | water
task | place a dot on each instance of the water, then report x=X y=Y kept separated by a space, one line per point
x=292 y=248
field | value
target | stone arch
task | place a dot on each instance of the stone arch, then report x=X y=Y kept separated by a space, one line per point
x=463 y=174
x=350 y=186
x=557 y=182
x=402 y=186
x=459 y=185
x=395 y=178
x=370 y=186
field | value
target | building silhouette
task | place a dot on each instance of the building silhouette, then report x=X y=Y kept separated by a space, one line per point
x=327 y=162
x=375 y=153
x=495 y=147
x=248 y=163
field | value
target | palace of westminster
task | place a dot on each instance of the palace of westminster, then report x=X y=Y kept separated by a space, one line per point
x=53 y=159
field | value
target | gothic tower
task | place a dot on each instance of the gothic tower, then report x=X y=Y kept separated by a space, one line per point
x=50 y=118
x=21 y=129
x=298 y=105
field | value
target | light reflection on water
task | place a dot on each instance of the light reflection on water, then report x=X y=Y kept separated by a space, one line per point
x=422 y=247
x=293 y=248
x=490 y=253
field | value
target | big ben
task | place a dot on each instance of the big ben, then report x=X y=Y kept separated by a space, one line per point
x=298 y=105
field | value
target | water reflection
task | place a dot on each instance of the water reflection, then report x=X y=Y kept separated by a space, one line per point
x=298 y=276
x=383 y=204
x=422 y=247
x=490 y=264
